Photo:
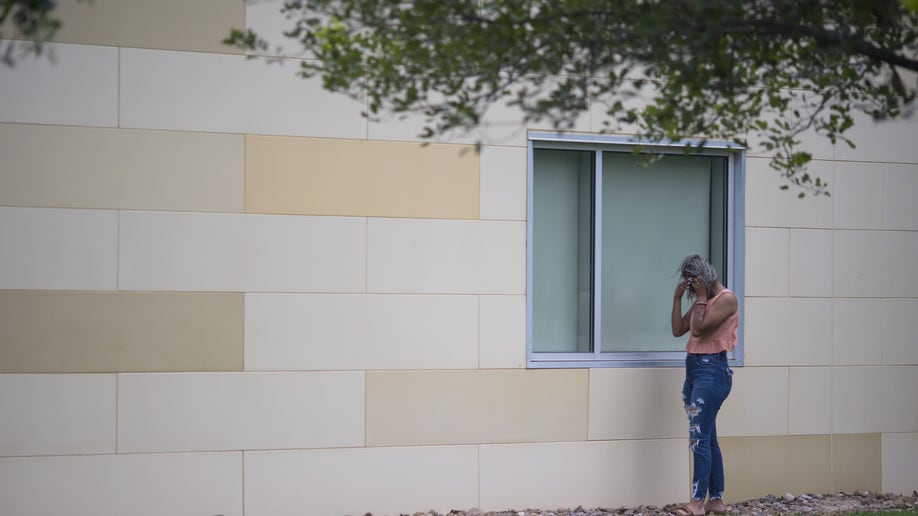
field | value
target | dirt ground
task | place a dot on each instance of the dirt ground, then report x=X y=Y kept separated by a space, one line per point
x=805 y=504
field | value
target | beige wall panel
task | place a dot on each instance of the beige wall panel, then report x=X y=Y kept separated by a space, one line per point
x=788 y=331
x=502 y=332
x=44 y=248
x=856 y=463
x=810 y=400
x=120 y=169
x=79 y=87
x=177 y=484
x=56 y=414
x=358 y=332
x=899 y=342
x=890 y=141
x=186 y=412
x=637 y=404
x=363 y=178
x=446 y=256
x=901 y=189
x=503 y=183
x=758 y=466
x=810 y=259
x=767 y=205
x=858 y=194
x=68 y=332
x=199 y=25
x=757 y=405
x=467 y=407
x=868 y=400
x=875 y=264
x=900 y=462
x=592 y=474
x=856 y=325
x=400 y=480
x=767 y=262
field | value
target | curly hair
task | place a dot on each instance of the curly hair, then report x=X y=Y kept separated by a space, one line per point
x=694 y=266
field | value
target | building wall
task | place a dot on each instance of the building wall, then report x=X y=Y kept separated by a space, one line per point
x=222 y=291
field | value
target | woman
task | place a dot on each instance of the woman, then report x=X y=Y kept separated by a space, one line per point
x=712 y=320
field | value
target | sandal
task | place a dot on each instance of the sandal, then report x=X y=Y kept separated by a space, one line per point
x=715 y=507
x=686 y=510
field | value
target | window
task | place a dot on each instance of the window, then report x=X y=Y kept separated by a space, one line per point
x=607 y=228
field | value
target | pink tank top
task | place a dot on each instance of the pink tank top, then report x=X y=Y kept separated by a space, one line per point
x=723 y=338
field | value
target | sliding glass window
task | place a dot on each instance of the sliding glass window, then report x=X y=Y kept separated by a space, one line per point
x=608 y=227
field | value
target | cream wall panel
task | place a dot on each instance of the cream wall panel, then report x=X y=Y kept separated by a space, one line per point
x=225 y=93
x=810 y=400
x=75 y=332
x=78 y=87
x=901 y=189
x=115 y=485
x=874 y=399
x=876 y=264
x=900 y=462
x=359 y=177
x=200 y=25
x=266 y=19
x=446 y=256
x=591 y=474
x=792 y=331
x=787 y=464
x=810 y=141
x=120 y=168
x=361 y=481
x=767 y=261
x=467 y=407
x=239 y=411
x=241 y=253
x=899 y=344
x=503 y=183
x=359 y=332
x=502 y=332
x=758 y=403
x=56 y=414
x=500 y=125
x=888 y=141
x=651 y=398
x=58 y=249
x=856 y=463
x=857 y=331
x=810 y=263
x=859 y=195
x=769 y=206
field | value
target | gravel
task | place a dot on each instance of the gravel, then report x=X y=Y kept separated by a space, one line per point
x=789 y=503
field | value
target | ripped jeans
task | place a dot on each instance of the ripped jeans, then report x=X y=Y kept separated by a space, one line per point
x=708 y=381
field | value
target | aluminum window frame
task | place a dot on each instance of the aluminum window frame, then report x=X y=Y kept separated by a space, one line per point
x=734 y=232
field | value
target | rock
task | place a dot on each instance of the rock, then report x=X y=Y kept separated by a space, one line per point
x=863 y=494
x=789 y=497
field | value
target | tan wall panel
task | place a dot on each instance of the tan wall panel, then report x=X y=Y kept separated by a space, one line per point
x=65 y=332
x=857 y=463
x=363 y=178
x=476 y=406
x=198 y=25
x=758 y=466
x=80 y=167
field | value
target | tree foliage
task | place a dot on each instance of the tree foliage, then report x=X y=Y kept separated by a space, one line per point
x=678 y=70
x=32 y=21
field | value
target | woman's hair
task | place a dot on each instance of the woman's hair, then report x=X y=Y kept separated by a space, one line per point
x=694 y=266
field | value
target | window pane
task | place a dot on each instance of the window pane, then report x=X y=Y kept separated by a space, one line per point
x=652 y=217
x=561 y=257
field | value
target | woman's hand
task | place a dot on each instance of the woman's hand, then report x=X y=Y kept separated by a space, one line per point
x=680 y=288
x=701 y=290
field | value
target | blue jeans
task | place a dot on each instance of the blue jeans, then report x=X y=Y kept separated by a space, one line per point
x=708 y=381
